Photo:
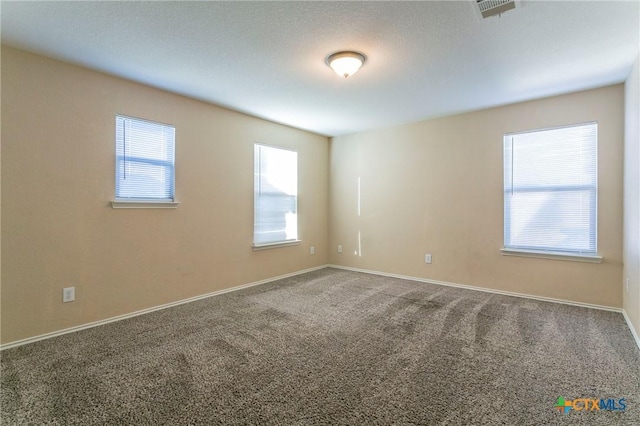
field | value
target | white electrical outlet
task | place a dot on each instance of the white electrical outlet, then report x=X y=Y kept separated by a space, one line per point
x=427 y=258
x=68 y=294
x=312 y=250
x=626 y=282
x=339 y=248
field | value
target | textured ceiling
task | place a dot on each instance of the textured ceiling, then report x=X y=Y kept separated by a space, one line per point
x=425 y=59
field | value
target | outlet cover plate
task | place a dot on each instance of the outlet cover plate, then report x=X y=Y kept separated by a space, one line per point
x=68 y=294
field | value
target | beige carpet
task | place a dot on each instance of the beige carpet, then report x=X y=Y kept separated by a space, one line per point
x=332 y=347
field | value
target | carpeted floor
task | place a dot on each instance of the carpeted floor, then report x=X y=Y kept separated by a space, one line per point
x=332 y=347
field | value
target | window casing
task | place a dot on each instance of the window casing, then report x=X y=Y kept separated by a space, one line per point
x=551 y=191
x=145 y=161
x=275 y=196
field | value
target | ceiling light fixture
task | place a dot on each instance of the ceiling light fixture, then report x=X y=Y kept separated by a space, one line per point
x=346 y=64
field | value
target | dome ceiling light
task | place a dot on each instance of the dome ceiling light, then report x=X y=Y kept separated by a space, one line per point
x=346 y=64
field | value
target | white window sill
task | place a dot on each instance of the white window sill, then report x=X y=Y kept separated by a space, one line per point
x=267 y=246
x=552 y=255
x=138 y=204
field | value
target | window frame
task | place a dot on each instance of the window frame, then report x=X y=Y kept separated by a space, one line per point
x=550 y=253
x=143 y=202
x=280 y=243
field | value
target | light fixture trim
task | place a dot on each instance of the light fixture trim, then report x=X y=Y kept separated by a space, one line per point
x=346 y=63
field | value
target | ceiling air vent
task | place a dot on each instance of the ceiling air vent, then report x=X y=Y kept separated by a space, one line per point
x=495 y=7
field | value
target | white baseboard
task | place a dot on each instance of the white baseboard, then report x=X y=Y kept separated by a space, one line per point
x=633 y=330
x=268 y=280
x=483 y=289
x=148 y=310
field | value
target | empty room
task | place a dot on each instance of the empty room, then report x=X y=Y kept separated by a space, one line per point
x=320 y=213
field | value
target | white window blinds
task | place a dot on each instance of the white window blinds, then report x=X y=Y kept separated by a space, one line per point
x=275 y=195
x=144 y=160
x=551 y=190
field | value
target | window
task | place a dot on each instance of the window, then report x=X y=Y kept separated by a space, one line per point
x=144 y=161
x=275 y=195
x=551 y=191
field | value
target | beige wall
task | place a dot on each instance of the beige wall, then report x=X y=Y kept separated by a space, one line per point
x=429 y=187
x=58 y=177
x=632 y=196
x=436 y=187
